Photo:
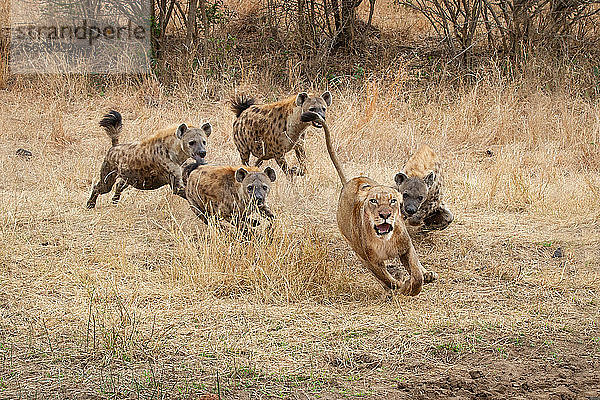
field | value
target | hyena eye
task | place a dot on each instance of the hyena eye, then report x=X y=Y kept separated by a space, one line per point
x=405 y=195
x=250 y=188
x=420 y=198
x=204 y=142
x=265 y=187
x=373 y=201
x=192 y=142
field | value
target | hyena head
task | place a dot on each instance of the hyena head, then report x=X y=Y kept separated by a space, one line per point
x=414 y=191
x=315 y=104
x=255 y=184
x=193 y=140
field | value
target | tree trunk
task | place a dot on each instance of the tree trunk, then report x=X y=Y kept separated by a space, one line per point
x=191 y=24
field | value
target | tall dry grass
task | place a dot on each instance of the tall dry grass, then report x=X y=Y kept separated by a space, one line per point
x=143 y=300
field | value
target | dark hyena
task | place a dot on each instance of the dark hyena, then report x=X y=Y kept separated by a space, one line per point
x=229 y=193
x=420 y=184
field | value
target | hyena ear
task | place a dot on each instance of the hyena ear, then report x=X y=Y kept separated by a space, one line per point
x=429 y=179
x=270 y=172
x=181 y=129
x=301 y=98
x=207 y=128
x=400 y=178
x=327 y=97
x=240 y=174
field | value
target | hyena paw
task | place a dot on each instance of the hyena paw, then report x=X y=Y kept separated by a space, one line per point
x=429 y=277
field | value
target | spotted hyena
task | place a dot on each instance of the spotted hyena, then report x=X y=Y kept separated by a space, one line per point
x=150 y=163
x=229 y=193
x=420 y=184
x=271 y=130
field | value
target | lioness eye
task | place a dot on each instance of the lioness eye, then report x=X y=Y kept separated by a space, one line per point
x=420 y=198
x=374 y=201
x=192 y=142
x=393 y=201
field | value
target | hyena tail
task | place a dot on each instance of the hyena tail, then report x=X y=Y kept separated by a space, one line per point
x=112 y=124
x=241 y=103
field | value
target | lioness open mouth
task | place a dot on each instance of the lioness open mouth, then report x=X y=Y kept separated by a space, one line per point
x=384 y=228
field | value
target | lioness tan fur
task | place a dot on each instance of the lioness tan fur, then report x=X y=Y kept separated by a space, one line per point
x=368 y=216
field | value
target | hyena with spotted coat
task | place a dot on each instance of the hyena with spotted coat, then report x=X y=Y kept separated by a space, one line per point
x=420 y=183
x=150 y=163
x=271 y=130
x=232 y=194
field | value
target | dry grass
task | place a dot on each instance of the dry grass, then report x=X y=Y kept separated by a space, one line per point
x=142 y=299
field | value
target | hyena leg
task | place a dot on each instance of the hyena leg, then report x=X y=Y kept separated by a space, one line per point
x=289 y=172
x=301 y=156
x=440 y=219
x=245 y=156
x=260 y=160
x=121 y=185
x=108 y=176
x=176 y=180
x=200 y=214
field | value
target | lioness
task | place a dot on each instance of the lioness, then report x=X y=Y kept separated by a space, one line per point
x=368 y=216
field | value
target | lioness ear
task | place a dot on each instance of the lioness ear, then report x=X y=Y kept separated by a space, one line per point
x=240 y=174
x=400 y=178
x=327 y=97
x=429 y=179
x=301 y=98
x=207 y=128
x=181 y=129
x=270 y=172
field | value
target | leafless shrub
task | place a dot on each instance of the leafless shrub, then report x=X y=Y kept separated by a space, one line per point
x=511 y=26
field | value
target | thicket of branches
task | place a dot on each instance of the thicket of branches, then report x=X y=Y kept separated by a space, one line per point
x=509 y=27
